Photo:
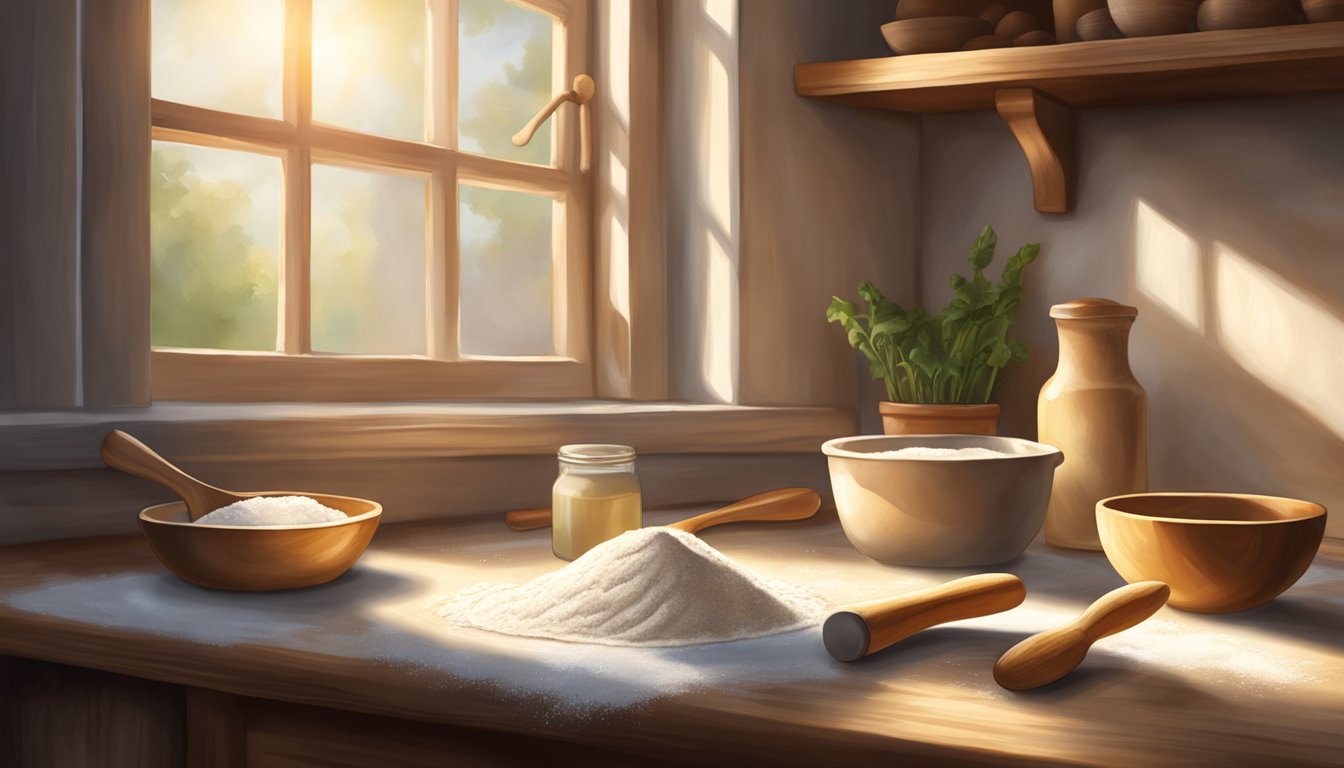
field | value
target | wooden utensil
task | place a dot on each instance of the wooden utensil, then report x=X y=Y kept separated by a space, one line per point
x=1097 y=25
x=858 y=630
x=779 y=504
x=125 y=453
x=1046 y=657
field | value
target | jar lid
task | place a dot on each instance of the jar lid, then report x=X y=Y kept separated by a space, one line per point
x=1091 y=309
x=596 y=453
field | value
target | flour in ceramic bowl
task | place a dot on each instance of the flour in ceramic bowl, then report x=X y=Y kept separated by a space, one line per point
x=648 y=587
x=273 y=510
x=921 y=452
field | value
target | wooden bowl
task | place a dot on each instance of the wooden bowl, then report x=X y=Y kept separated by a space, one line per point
x=1016 y=24
x=1247 y=14
x=923 y=9
x=952 y=511
x=1323 y=10
x=1067 y=14
x=985 y=42
x=934 y=34
x=1219 y=552
x=261 y=558
x=1034 y=37
x=1145 y=18
x=1097 y=25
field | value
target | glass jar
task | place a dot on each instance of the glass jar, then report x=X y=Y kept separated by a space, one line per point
x=595 y=498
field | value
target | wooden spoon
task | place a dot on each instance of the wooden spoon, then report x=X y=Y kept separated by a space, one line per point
x=1044 y=658
x=125 y=453
x=779 y=504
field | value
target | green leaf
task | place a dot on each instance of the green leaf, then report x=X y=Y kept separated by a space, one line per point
x=982 y=251
x=999 y=356
x=839 y=310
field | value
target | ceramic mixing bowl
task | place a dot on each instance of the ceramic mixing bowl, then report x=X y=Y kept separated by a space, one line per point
x=941 y=511
x=1219 y=552
x=260 y=558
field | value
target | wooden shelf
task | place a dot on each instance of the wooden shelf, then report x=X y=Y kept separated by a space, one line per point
x=1306 y=58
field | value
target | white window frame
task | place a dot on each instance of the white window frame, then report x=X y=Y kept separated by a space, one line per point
x=295 y=372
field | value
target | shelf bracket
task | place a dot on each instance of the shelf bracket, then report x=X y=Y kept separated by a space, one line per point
x=1044 y=127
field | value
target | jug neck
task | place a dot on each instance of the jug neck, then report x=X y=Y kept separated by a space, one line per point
x=1095 y=348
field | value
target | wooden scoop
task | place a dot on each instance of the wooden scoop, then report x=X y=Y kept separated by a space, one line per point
x=858 y=630
x=1044 y=658
x=125 y=453
x=779 y=504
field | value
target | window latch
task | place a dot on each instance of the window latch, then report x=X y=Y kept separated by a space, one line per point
x=580 y=94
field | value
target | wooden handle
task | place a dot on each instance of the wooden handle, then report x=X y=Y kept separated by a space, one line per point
x=522 y=137
x=585 y=138
x=124 y=453
x=1046 y=657
x=780 y=504
x=858 y=630
x=528 y=519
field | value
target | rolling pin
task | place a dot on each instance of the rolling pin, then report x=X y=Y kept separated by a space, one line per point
x=858 y=630
x=1044 y=658
x=779 y=504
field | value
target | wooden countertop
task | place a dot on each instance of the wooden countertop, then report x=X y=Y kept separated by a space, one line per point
x=1261 y=687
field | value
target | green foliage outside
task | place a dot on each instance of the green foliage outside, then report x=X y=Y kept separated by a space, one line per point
x=211 y=284
x=215 y=286
x=954 y=356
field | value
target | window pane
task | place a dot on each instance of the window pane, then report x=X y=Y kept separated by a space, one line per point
x=505 y=272
x=368 y=262
x=504 y=69
x=214 y=248
x=369 y=66
x=221 y=54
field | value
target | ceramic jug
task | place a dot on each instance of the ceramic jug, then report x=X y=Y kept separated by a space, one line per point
x=1095 y=411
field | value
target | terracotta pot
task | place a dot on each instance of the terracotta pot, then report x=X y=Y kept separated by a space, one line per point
x=918 y=419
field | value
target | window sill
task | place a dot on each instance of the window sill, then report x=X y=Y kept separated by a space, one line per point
x=197 y=432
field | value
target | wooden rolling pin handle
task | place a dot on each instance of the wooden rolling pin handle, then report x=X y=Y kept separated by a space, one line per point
x=858 y=630
x=1048 y=656
x=528 y=519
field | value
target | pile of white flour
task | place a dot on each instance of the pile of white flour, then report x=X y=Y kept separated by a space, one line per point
x=273 y=510
x=919 y=452
x=648 y=587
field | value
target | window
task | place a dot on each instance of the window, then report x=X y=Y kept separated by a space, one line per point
x=337 y=211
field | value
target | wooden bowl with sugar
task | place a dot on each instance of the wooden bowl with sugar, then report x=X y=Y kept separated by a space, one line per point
x=293 y=544
x=261 y=558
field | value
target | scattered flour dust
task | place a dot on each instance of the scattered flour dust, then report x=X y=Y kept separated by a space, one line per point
x=647 y=587
x=920 y=452
x=273 y=510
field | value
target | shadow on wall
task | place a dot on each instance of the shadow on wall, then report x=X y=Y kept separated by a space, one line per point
x=1264 y=351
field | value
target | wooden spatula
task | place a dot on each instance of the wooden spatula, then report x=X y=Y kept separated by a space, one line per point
x=125 y=453
x=779 y=504
x=1044 y=658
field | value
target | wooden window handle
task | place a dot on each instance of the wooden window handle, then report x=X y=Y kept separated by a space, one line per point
x=580 y=94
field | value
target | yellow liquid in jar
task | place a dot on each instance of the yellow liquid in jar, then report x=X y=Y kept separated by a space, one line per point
x=586 y=511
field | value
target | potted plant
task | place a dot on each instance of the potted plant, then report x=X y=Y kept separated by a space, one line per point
x=940 y=370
